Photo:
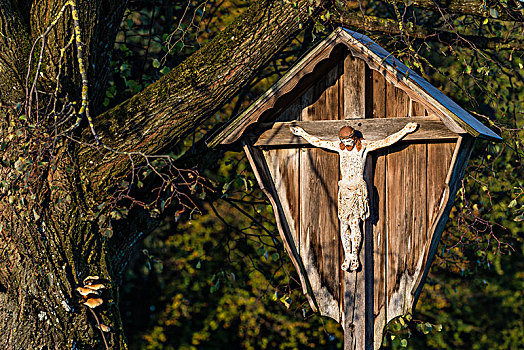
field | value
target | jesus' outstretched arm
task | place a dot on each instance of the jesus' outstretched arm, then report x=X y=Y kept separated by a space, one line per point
x=315 y=141
x=391 y=139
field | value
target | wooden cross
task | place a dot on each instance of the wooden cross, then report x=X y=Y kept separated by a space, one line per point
x=357 y=318
x=347 y=79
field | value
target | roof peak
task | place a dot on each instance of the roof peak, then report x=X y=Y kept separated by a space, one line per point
x=377 y=58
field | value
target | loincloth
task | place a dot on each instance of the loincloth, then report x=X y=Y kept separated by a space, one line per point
x=353 y=200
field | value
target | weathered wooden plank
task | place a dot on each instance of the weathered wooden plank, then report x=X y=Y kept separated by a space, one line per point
x=279 y=135
x=439 y=158
x=354 y=286
x=417 y=198
x=298 y=79
x=319 y=228
x=368 y=239
x=418 y=109
x=283 y=164
x=263 y=176
x=410 y=234
x=341 y=253
x=354 y=312
x=292 y=113
x=398 y=208
x=395 y=179
x=459 y=162
x=305 y=72
x=378 y=216
x=354 y=87
x=378 y=58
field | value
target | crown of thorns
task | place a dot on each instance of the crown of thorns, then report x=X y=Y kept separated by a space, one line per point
x=346 y=132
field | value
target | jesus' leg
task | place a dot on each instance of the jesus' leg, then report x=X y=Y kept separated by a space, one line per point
x=346 y=243
x=355 y=237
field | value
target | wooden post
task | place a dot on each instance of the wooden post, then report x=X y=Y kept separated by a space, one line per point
x=358 y=285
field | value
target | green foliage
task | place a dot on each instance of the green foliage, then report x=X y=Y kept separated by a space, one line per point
x=223 y=280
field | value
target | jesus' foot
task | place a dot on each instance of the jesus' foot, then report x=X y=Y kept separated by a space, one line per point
x=354 y=264
x=345 y=265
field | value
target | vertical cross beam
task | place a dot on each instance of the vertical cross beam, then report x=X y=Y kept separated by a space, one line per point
x=358 y=285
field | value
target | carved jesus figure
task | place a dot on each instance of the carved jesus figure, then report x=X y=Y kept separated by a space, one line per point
x=353 y=204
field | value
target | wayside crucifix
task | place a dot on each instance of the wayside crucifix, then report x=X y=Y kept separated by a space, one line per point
x=353 y=204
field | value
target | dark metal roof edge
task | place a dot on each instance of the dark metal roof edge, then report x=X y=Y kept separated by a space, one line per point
x=438 y=98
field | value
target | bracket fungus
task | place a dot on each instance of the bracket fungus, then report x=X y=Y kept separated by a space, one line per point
x=95 y=287
x=93 y=302
x=86 y=291
x=90 y=279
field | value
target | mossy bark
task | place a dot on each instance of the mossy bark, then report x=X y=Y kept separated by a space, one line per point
x=49 y=237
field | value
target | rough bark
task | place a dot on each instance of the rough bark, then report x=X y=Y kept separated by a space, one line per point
x=49 y=238
x=14 y=48
x=52 y=190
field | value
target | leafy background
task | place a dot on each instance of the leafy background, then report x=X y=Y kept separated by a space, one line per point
x=217 y=277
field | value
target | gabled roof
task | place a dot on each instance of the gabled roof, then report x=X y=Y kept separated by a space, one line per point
x=378 y=58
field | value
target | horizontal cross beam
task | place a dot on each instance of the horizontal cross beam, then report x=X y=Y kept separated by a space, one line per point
x=278 y=134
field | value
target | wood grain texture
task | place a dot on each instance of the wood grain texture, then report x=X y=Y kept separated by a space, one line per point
x=418 y=109
x=319 y=225
x=441 y=194
x=368 y=239
x=398 y=207
x=354 y=87
x=292 y=113
x=263 y=176
x=416 y=208
x=354 y=283
x=319 y=175
x=397 y=73
x=341 y=41
x=283 y=164
x=284 y=167
x=297 y=80
x=409 y=191
x=280 y=135
x=439 y=158
x=378 y=216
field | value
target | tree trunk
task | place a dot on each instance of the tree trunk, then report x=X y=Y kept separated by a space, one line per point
x=47 y=247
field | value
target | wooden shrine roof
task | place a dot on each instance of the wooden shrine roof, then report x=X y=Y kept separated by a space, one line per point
x=455 y=117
